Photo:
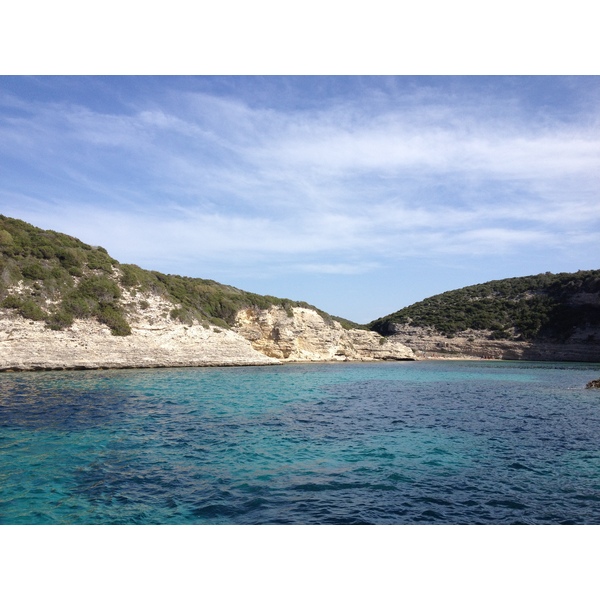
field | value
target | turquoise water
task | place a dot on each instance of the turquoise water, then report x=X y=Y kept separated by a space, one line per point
x=391 y=443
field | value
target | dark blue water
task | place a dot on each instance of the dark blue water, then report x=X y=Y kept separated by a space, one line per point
x=426 y=442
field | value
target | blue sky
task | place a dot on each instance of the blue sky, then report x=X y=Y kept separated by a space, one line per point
x=360 y=195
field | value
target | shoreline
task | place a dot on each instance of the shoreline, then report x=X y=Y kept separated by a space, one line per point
x=39 y=369
x=212 y=364
x=217 y=364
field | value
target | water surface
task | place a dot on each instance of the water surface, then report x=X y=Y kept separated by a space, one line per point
x=382 y=443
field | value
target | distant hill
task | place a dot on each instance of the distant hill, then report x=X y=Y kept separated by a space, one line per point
x=57 y=281
x=546 y=307
x=65 y=279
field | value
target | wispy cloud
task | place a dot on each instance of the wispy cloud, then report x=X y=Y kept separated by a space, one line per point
x=341 y=188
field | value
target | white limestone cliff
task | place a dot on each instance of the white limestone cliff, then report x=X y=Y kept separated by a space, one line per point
x=157 y=340
x=302 y=334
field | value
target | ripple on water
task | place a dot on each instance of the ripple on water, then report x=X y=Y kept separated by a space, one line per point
x=367 y=443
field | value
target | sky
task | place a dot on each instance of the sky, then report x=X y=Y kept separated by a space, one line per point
x=359 y=195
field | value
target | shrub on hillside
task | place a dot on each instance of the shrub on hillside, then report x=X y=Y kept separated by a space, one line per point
x=67 y=268
x=99 y=261
x=535 y=306
x=34 y=271
x=6 y=239
x=11 y=302
x=112 y=316
x=70 y=257
x=99 y=288
x=30 y=310
x=77 y=305
x=59 y=320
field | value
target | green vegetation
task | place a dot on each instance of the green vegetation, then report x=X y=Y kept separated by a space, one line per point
x=67 y=279
x=547 y=306
x=64 y=279
x=204 y=299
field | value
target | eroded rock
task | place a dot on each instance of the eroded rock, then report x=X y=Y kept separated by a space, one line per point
x=156 y=341
x=302 y=334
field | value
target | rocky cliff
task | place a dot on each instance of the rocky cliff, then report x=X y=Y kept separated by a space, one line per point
x=301 y=334
x=66 y=304
x=157 y=339
x=427 y=343
x=539 y=317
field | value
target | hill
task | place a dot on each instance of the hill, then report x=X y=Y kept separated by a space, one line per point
x=67 y=305
x=68 y=279
x=546 y=309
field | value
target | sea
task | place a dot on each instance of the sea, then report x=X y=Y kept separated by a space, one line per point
x=394 y=443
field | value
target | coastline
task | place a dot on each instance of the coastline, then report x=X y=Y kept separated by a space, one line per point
x=161 y=342
x=89 y=345
x=269 y=338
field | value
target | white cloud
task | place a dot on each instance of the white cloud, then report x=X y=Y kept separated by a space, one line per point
x=333 y=190
x=348 y=268
x=430 y=149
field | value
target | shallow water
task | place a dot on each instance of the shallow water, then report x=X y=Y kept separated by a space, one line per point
x=390 y=443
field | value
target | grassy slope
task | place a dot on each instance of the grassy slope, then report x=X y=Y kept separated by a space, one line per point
x=545 y=306
x=68 y=279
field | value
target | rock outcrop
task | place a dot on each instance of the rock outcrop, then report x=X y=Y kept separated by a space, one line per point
x=66 y=304
x=583 y=345
x=538 y=317
x=260 y=337
x=156 y=340
x=301 y=334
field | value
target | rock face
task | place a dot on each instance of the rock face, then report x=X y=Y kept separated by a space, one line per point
x=539 y=317
x=261 y=337
x=301 y=334
x=583 y=345
x=156 y=341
